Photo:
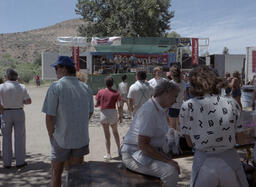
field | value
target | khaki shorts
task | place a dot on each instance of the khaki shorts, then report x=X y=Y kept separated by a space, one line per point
x=108 y=116
x=60 y=154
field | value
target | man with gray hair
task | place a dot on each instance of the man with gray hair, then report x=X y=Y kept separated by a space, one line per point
x=144 y=141
x=13 y=96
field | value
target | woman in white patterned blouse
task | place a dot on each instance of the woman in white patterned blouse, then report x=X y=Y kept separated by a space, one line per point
x=210 y=124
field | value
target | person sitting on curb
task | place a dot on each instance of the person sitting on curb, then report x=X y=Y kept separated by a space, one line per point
x=142 y=149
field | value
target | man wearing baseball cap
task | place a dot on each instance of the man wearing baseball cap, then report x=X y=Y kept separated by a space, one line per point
x=68 y=106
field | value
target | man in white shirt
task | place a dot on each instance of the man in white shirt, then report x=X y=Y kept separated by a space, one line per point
x=157 y=77
x=139 y=92
x=13 y=96
x=143 y=143
x=123 y=90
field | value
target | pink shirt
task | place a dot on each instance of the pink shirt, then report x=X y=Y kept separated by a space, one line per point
x=108 y=98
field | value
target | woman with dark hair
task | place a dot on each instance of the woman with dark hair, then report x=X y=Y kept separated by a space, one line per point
x=107 y=99
x=211 y=123
x=175 y=108
x=236 y=87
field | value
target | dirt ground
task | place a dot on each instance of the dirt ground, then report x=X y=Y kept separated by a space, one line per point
x=37 y=173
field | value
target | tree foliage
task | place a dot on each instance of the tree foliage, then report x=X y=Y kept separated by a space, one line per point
x=173 y=34
x=129 y=18
x=26 y=71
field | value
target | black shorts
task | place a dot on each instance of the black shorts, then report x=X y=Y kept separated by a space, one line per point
x=173 y=112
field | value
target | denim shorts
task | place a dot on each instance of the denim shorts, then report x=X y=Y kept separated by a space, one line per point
x=60 y=154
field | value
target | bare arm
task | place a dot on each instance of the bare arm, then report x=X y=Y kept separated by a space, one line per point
x=188 y=140
x=120 y=114
x=130 y=104
x=50 y=123
x=234 y=83
x=185 y=95
x=27 y=101
x=144 y=145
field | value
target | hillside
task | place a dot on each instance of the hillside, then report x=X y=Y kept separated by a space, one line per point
x=26 y=46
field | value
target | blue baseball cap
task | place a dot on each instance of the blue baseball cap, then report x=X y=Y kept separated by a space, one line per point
x=64 y=61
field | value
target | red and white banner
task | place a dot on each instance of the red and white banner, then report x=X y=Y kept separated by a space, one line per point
x=254 y=61
x=106 y=41
x=195 y=54
x=75 y=56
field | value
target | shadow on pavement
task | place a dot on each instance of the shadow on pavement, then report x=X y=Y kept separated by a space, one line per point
x=36 y=173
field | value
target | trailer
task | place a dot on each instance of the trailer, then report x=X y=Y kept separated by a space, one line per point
x=250 y=63
x=228 y=63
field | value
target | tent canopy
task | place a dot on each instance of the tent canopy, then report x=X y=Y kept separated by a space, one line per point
x=140 y=45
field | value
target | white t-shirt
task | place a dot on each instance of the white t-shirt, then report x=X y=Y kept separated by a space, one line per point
x=123 y=87
x=154 y=82
x=150 y=121
x=12 y=94
x=180 y=98
x=140 y=92
x=211 y=122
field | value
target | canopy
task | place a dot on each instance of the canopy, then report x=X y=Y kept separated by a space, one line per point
x=72 y=41
x=127 y=44
x=140 y=45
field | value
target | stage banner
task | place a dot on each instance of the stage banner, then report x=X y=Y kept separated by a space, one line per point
x=143 y=59
x=106 y=41
x=254 y=61
x=195 y=51
x=75 y=56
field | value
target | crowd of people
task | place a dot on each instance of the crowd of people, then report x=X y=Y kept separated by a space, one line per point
x=190 y=104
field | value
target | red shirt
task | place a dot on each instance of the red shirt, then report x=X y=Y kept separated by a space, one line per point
x=108 y=98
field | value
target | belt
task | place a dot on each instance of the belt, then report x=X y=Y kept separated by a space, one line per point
x=13 y=108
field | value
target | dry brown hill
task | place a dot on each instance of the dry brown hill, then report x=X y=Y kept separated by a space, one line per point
x=25 y=46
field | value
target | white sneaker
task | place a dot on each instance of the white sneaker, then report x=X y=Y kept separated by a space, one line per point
x=107 y=157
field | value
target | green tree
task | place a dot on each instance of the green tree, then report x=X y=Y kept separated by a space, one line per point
x=173 y=34
x=38 y=60
x=130 y=18
x=225 y=51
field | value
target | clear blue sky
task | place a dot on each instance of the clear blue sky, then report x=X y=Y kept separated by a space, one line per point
x=229 y=23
